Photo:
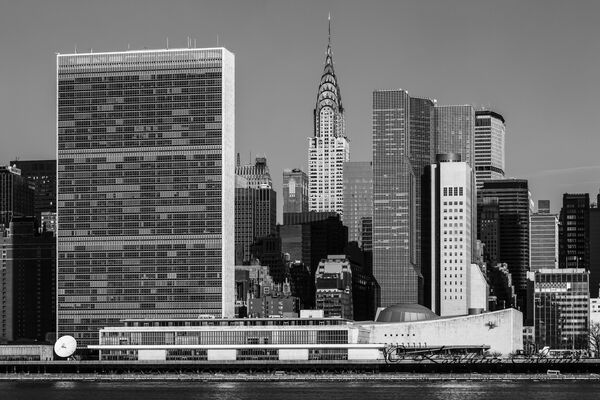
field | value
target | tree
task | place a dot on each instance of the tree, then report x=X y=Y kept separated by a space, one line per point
x=594 y=336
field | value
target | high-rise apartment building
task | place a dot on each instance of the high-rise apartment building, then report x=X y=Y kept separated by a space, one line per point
x=358 y=196
x=455 y=131
x=561 y=308
x=42 y=174
x=514 y=205
x=329 y=148
x=490 y=130
x=454 y=285
x=145 y=187
x=394 y=209
x=295 y=191
x=544 y=238
x=574 y=233
x=16 y=195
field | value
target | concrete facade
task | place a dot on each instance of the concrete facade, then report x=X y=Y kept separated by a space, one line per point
x=501 y=330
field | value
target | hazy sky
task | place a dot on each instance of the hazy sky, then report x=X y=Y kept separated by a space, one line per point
x=535 y=62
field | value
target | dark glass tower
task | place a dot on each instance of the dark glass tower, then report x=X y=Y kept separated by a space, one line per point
x=574 y=231
x=16 y=196
x=42 y=173
x=145 y=187
x=514 y=205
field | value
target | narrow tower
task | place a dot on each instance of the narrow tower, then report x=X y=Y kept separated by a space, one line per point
x=329 y=148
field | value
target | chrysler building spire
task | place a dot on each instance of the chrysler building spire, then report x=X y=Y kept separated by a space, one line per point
x=328 y=148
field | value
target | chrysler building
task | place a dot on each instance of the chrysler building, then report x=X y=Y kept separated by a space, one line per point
x=329 y=148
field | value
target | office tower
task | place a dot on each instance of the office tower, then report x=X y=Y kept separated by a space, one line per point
x=260 y=185
x=16 y=195
x=595 y=249
x=146 y=187
x=366 y=233
x=27 y=283
x=453 y=284
x=544 y=238
x=421 y=155
x=488 y=228
x=329 y=148
x=256 y=174
x=295 y=191
x=394 y=209
x=311 y=216
x=365 y=290
x=42 y=173
x=358 y=196
x=244 y=220
x=561 y=308
x=455 y=131
x=333 y=283
x=574 y=232
x=514 y=205
x=268 y=251
x=301 y=283
x=489 y=146
x=311 y=240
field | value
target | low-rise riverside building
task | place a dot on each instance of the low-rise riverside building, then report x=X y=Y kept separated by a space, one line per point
x=307 y=339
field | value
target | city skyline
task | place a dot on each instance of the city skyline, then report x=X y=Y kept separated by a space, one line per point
x=494 y=67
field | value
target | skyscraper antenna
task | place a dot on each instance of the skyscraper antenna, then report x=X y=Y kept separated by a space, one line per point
x=167 y=43
x=217 y=40
x=329 y=28
x=194 y=42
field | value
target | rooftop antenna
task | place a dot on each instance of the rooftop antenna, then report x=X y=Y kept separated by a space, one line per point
x=75 y=48
x=167 y=43
x=329 y=28
x=217 y=40
x=194 y=42
x=128 y=46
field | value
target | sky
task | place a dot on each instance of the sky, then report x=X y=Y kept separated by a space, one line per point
x=535 y=62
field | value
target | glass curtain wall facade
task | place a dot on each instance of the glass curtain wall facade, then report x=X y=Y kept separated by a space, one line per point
x=544 y=239
x=145 y=180
x=489 y=146
x=561 y=308
x=358 y=197
x=394 y=208
x=455 y=131
x=420 y=156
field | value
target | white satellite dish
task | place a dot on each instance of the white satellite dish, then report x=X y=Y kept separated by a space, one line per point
x=65 y=346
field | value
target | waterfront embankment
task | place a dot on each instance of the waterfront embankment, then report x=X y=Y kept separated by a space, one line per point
x=344 y=377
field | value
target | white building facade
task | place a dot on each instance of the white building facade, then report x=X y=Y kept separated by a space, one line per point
x=457 y=286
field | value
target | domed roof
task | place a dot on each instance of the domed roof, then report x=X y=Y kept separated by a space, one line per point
x=406 y=313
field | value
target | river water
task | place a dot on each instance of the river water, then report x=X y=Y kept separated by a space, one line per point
x=300 y=390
